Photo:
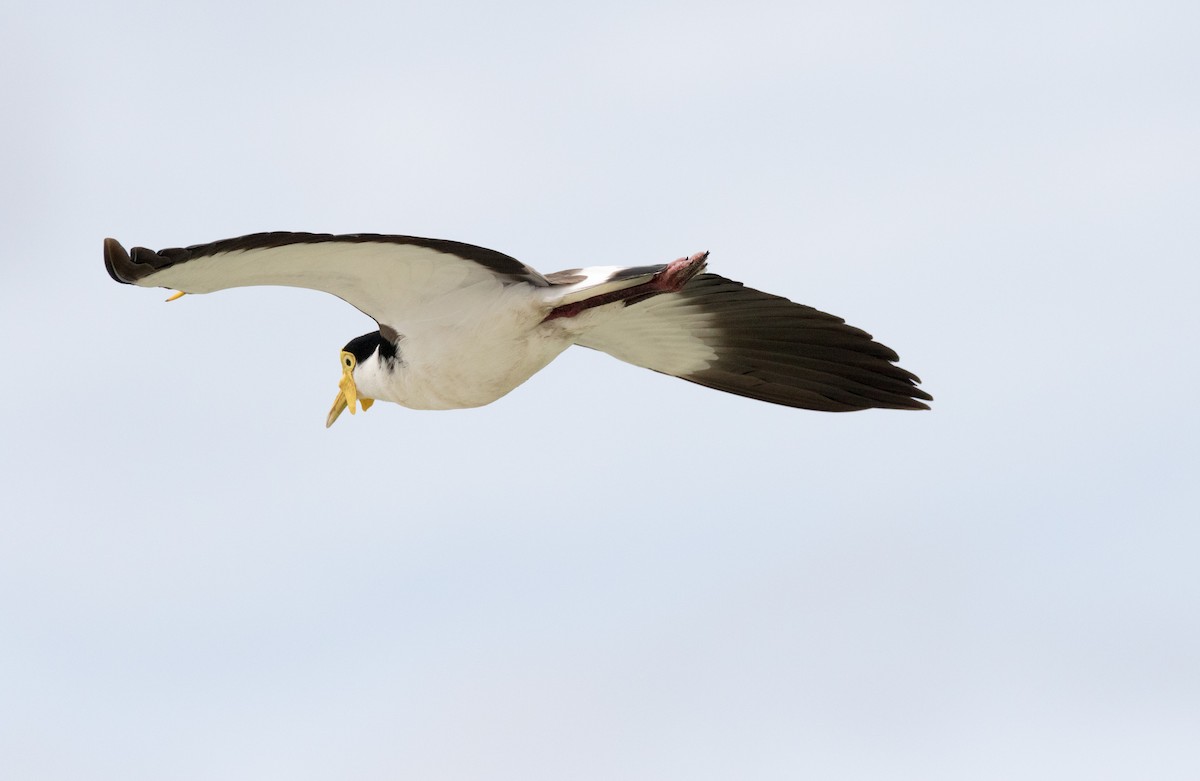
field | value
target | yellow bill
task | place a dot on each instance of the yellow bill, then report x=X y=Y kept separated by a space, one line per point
x=347 y=398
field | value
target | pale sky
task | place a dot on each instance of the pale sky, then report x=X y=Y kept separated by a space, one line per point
x=608 y=574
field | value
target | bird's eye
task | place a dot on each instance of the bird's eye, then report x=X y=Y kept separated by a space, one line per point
x=348 y=360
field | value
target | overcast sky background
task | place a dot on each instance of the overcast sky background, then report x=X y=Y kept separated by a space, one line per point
x=609 y=574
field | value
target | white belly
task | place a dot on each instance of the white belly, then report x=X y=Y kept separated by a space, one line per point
x=473 y=374
x=454 y=366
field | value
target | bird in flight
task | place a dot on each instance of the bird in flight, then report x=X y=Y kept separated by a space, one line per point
x=460 y=326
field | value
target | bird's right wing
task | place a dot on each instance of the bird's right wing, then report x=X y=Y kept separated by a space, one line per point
x=721 y=334
x=400 y=281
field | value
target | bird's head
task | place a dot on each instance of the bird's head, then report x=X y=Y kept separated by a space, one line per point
x=358 y=356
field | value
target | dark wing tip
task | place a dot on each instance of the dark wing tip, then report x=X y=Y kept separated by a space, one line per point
x=125 y=269
x=117 y=262
x=771 y=349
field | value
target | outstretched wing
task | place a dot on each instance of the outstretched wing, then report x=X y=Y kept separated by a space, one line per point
x=390 y=278
x=721 y=334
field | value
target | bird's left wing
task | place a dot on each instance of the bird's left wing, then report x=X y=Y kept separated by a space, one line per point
x=390 y=278
x=721 y=334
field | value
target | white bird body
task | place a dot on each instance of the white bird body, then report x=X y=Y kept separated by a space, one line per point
x=461 y=326
x=470 y=359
